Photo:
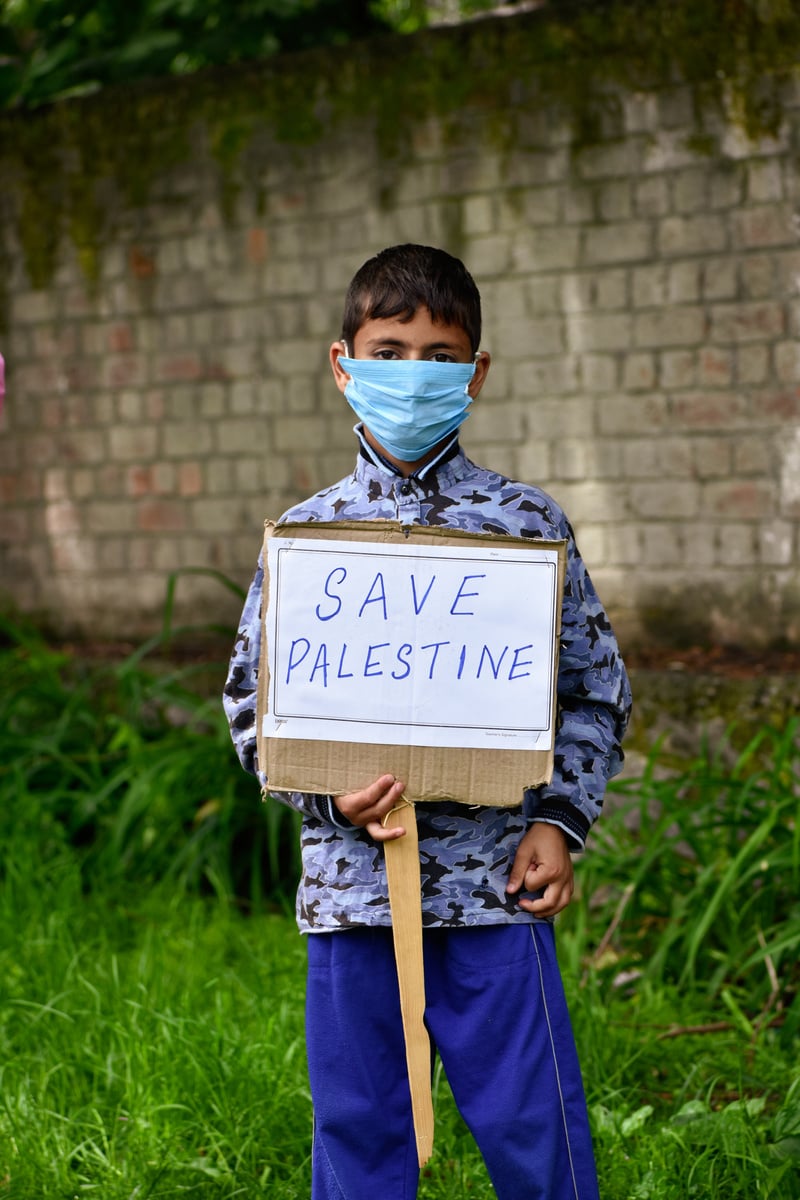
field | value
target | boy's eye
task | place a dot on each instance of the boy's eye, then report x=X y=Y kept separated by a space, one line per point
x=386 y=355
x=442 y=357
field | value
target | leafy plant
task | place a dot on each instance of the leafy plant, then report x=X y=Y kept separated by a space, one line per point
x=131 y=767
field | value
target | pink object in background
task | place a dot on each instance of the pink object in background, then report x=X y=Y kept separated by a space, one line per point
x=2 y=381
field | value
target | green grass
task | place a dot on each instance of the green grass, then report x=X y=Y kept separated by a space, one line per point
x=151 y=977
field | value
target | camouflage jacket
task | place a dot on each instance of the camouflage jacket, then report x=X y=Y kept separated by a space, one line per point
x=466 y=853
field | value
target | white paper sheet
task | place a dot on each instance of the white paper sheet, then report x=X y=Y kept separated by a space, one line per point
x=411 y=645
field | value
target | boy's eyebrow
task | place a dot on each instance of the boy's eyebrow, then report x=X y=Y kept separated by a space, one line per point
x=401 y=344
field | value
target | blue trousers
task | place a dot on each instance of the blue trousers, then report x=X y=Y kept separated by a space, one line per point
x=497 y=1016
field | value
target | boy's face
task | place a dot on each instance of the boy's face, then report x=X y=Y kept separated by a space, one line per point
x=420 y=338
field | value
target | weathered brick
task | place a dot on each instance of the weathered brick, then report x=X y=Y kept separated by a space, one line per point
x=542 y=206
x=736 y=544
x=109 y=516
x=720 y=279
x=478 y=215
x=539 y=251
x=641 y=113
x=757 y=276
x=711 y=457
x=737 y=144
x=540 y=297
x=609 y=159
x=160 y=516
x=701 y=545
x=579 y=203
x=546 y=376
x=76 y=555
x=168 y=555
x=564 y=417
x=639 y=372
x=242 y=397
x=776 y=542
x=752 y=363
x=614 y=200
x=603 y=331
x=14 y=525
x=542 y=336
x=592 y=541
x=667 y=150
x=651 y=196
x=664 y=457
x=691 y=235
x=670 y=327
x=31 y=308
x=590 y=501
x=707 y=410
x=599 y=372
x=690 y=190
x=663 y=544
x=766 y=225
x=748 y=500
x=754 y=456
x=291 y=432
x=726 y=185
x=747 y=321
x=625 y=542
x=593 y=291
x=790 y=476
x=787 y=361
x=628 y=414
x=627 y=241
x=764 y=181
x=664 y=499
x=128 y=443
x=683 y=282
x=77 y=447
x=62 y=517
x=714 y=367
x=533 y=461
x=488 y=420
x=111 y=554
x=192 y=441
x=649 y=285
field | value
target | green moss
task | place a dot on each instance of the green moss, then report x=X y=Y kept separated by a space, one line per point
x=734 y=55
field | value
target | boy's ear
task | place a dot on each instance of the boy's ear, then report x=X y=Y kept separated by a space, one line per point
x=483 y=361
x=336 y=351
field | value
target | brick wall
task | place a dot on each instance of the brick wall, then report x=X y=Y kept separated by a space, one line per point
x=642 y=302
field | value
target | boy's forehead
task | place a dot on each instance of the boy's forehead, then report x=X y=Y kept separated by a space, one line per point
x=421 y=328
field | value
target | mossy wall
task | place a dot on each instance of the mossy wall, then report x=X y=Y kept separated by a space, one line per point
x=173 y=258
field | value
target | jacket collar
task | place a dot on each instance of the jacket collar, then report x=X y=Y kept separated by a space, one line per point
x=450 y=466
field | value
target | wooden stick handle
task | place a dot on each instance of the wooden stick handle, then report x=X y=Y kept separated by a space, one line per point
x=405 y=900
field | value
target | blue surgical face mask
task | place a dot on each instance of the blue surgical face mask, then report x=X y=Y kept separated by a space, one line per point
x=408 y=404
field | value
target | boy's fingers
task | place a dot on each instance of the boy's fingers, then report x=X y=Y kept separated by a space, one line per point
x=371 y=804
x=519 y=868
x=380 y=833
x=379 y=790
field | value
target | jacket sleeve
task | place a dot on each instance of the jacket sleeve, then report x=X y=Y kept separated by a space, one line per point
x=239 y=703
x=594 y=702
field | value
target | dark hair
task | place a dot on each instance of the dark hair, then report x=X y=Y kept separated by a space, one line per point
x=401 y=279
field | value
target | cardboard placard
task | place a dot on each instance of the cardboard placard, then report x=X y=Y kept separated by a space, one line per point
x=426 y=652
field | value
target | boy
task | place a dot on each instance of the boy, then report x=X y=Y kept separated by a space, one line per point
x=409 y=364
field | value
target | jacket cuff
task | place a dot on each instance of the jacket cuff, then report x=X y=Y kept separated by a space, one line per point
x=330 y=813
x=567 y=817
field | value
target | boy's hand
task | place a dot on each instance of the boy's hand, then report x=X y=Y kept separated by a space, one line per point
x=368 y=807
x=542 y=861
